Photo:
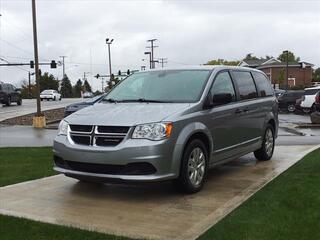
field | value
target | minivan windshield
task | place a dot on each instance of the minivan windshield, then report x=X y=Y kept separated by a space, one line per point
x=161 y=86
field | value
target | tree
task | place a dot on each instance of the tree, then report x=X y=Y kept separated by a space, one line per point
x=222 y=62
x=77 y=88
x=291 y=57
x=250 y=56
x=86 y=86
x=66 y=87
x=316 y=75
x=47 y=81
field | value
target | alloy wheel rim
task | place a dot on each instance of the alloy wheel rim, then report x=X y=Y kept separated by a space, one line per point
x=291 y=108
x=196 y=166
x=269 y=142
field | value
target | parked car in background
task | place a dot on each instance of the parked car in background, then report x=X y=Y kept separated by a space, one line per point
x=77 y=106
x=87 y=95
x=170 y=124
x=50 y=94
x=9 y=94
x=317 y=101
x=287 y=100
x=279 y=92
x=307 y=104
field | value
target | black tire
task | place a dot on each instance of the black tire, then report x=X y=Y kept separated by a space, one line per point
x=60 y=99
x=183 y=182
x=19 y=102
x=8 y=103
x=291 y=108
x=264 y=153
x=54 y=98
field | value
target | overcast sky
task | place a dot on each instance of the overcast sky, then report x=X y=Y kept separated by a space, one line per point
x=188 y=33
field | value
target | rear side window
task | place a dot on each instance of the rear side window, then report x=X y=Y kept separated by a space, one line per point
x=247 y=89
x=311 y=91
x=263 y=84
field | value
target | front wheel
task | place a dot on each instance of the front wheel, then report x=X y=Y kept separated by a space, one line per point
x=266 y=151
x=193 y=167
x=19 y=102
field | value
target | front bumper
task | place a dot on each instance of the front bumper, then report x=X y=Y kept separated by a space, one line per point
x=159 y=154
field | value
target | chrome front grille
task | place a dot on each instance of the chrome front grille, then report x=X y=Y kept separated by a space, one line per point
x=103 y=136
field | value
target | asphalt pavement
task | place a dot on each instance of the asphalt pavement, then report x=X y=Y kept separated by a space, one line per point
x=30 y=106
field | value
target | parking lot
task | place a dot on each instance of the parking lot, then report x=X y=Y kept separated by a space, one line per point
x=29 y=106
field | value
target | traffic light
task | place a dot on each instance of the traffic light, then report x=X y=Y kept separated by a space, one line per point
x=97 y=76
x=31 y=64
x=53 y=64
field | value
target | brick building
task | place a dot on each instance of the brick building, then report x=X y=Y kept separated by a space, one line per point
x=300 y=73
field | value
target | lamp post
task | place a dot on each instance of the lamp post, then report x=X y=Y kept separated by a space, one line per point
x=109 y=42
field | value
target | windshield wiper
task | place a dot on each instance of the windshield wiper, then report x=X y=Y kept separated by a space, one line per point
x=109 y=100
x=143 y=100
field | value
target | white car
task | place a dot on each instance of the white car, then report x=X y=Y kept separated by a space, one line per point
x=50 y=94
x=308 y=100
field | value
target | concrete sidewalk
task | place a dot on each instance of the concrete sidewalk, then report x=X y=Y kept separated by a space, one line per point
x=153 y=211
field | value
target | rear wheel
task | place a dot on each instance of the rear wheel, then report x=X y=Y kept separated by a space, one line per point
x=19 y=102
x=266 y=151
x=193 y=167
x=291 y=108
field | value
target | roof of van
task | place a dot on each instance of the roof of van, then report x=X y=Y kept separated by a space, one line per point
x=202 y=67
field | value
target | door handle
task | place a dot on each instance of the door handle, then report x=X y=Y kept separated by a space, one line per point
x=238 y=111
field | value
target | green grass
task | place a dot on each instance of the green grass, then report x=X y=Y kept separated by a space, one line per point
x=23 y=164
x=287 y=208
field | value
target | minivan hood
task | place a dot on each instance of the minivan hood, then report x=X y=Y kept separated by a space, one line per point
x=125 y=114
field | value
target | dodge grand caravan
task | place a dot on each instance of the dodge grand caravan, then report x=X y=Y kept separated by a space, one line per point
x=171 y=124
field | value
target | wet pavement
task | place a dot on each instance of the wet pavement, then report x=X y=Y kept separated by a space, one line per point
x=148 y=211
x=29 y=106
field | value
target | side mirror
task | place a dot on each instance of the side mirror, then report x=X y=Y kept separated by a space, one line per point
x=208 y=101
x=221 y=98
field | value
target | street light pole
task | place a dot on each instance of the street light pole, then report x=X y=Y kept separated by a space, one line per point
x=36 y=58
x=109 y=42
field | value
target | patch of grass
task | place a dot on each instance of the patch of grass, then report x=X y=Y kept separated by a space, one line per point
x=23 y=164
x=287 y=208
x=12 y=228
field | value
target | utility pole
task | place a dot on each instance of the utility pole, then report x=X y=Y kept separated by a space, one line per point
x=152 y=51
x=63 y=66
x=109 y=42
x=163 y=61
x=36 y=58
x=287 y=69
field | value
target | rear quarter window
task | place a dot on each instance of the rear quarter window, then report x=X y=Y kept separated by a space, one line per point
x=311 y=91
x=246 y=86
x=263 y=84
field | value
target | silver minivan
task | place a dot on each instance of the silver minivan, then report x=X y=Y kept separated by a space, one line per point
x=170 y=124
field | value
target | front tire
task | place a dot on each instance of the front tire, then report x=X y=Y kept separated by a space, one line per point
x=266 y=151
x=19 y=102
x=193 y=167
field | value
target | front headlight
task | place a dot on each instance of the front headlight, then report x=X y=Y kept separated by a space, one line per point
x=153 y=131
x=63 y=128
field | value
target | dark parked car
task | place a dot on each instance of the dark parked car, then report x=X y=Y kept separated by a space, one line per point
x=9 y=94
x=317 y=101
x=77 y=106
x=287 y=100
